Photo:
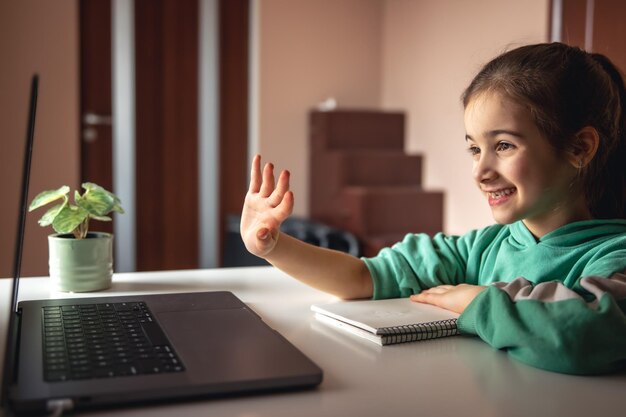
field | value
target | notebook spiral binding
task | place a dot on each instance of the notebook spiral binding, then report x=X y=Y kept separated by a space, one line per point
x=416 y=332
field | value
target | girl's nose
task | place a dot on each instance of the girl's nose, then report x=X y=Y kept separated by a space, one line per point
x=483 y=170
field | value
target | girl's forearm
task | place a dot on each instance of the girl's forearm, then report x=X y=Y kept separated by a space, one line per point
x=328 y=270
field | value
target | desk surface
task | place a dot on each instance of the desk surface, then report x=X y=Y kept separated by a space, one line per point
x=445 y=377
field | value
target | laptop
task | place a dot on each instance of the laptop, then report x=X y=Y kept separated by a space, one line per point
x=64 y=354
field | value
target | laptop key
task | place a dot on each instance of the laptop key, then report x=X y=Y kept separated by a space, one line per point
x=149 y=366
x=82 y=375
x=125 y=306
x=104 y=373
x=56 y=376
x=123 y=370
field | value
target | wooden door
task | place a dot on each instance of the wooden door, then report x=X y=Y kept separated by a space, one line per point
x=609 y=31
x=166 y=97
x=233 y=96
x=95 y=95
x=597 y=26
x=166 y=67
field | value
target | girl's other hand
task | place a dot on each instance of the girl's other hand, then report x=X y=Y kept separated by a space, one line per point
x=266 y=206
x=451 y=297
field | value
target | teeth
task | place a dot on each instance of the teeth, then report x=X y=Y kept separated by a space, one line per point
x=501 y=193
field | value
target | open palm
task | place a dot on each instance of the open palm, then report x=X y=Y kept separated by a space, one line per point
x=266 y=206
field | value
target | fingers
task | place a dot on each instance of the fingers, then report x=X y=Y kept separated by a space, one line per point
x=283 y=186
x=263 y=242
x=264 y=184
x=261 y=182
x=431 y=295
x=255 y=174
x=263 y=233
x=441 y=289
x=284 y=209
x=268 y=180
x=426 y=297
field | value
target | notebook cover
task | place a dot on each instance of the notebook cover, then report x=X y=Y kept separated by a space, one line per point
x=382 y=316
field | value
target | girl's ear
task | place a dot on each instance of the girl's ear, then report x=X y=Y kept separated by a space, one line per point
x=584 y=148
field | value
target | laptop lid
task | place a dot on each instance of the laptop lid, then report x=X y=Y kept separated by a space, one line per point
x=9 y=350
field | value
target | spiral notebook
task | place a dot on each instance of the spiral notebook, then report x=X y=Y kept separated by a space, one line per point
x=387 y=322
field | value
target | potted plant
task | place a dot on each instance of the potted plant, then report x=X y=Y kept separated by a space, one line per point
x=79 y=260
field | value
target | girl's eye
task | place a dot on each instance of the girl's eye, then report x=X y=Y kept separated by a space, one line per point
x=504 y=146
x=473 y=150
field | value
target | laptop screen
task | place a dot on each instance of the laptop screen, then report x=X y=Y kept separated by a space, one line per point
x=19 y=238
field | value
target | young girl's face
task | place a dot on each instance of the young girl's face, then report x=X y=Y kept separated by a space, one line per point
x=520 y=174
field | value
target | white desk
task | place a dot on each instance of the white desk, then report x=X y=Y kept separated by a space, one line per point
x=455 y=376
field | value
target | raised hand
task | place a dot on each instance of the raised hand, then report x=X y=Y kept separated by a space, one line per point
x=266 y=206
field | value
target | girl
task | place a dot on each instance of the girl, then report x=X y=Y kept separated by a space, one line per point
x=545 y=127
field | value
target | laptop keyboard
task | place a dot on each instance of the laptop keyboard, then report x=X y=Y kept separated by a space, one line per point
x=104 y=340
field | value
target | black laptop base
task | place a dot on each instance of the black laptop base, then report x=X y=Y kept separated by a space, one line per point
x=224 y=349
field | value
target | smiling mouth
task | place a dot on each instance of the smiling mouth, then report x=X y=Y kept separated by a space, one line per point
x=500 y=196
x=501 y=193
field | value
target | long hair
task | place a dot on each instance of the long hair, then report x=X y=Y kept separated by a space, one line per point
x=566 y=89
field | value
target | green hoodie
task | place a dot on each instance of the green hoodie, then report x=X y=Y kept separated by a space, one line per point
x=558 y=303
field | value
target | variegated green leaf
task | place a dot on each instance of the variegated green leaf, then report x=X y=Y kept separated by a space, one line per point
x=51 y=214
x=96 y=202
x=101 y=218
x=69 y=218
x=118 y=209
x=89 y=186
x=48 y=196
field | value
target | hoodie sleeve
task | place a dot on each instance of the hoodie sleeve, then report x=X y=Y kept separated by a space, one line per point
x=579 y=330
x=419 y=262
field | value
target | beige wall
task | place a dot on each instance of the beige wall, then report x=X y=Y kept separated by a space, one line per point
x=36 y=36
x=311 y=50
x=411 y=55
x=431 y=51
x=415 y=55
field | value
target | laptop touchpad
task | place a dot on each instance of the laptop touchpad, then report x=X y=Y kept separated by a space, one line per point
x=229 y=345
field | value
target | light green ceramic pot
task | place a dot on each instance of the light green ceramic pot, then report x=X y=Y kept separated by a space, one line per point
x=81 y=265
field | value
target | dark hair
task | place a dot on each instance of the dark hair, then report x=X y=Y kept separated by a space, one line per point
x=566 y=89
